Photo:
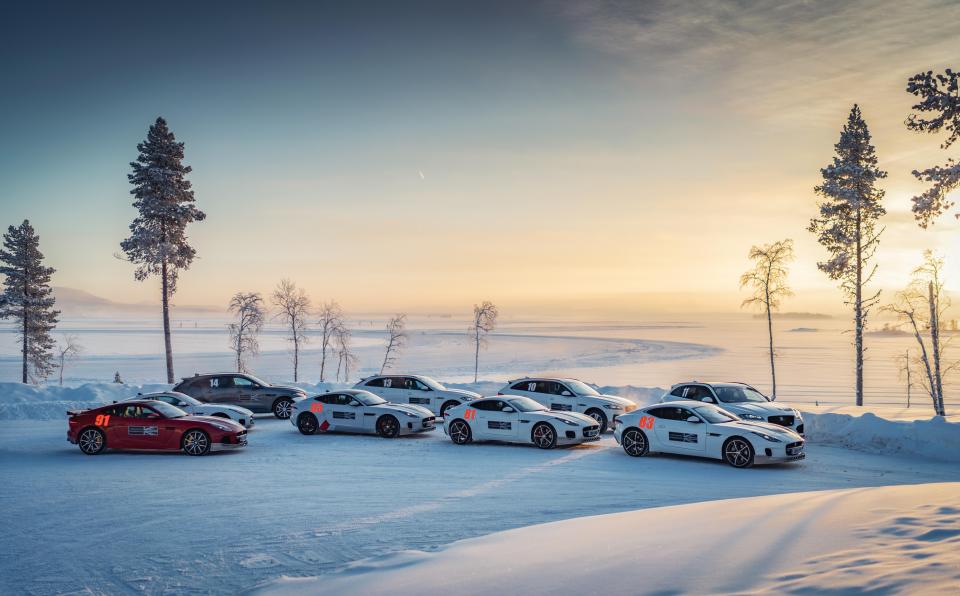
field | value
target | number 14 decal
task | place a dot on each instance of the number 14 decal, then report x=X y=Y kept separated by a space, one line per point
x=646 y=422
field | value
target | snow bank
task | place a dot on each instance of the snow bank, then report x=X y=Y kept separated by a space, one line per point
x=880 y=540
x=49 y=402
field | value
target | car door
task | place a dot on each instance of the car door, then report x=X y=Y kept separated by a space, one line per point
x=248 y=394
x=417 y=392
x=138 y=427
x=219 y=390
x=497 y=420
x=556 y=396
x=675 y=433
x=345 y=413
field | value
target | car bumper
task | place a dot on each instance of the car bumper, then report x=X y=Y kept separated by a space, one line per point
x=230 y=442
x=780 y=453
x=417 y=426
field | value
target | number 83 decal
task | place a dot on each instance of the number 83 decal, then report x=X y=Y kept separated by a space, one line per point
x=646 y=422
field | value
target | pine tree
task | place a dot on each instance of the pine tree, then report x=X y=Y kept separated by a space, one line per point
x=28 y=299
x=847 y=226
x=164 y=199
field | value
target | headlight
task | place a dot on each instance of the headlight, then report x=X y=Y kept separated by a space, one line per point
x=612 y=407
x=567 y=422
x=766 y=437
x=410 y=415
x=220 y=426
x=751 y=417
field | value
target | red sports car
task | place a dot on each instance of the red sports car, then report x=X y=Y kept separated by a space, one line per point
x=151 y=425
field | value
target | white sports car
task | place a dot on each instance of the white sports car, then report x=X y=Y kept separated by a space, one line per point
x=416 y=389
x=355 y=411
x=571 y=395
x=517 y=420
x=196 y=407
x=740 y=399
x=705 y=430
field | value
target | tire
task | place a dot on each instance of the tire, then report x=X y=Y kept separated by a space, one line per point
x=600 y=417
x=307 y=423
x=738 y=452
x=447 y=405
x=283 y=408
x=92 y=441
x=460 y=432
x=544 y=436
x=388 y=426
x=195 y=442
x=634 y=442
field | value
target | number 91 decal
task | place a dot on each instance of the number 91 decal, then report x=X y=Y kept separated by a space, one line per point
x=102 y=420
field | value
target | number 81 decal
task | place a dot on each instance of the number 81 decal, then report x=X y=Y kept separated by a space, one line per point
x=646 y=422
x=470 y=414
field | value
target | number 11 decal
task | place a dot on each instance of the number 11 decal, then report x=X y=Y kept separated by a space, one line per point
x=470 y=414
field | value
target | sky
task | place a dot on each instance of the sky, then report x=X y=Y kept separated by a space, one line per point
x=601 y=157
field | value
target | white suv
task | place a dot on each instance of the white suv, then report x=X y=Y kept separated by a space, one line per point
x=740 y=399
x=571 y=395
x=416 y=389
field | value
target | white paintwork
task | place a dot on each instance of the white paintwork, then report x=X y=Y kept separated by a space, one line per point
x=360 y=411
x=570 y=395
x=415 y=389
x=196 y=407
x=704 y=438
x=755 y=411
x=516 y=423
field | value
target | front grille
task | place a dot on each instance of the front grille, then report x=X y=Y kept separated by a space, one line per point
x=428 y=422
x=800 y=429
x=795 y=448
x=591 y=431
x=781 y=420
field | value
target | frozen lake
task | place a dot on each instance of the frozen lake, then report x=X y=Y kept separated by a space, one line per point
x=815 y=360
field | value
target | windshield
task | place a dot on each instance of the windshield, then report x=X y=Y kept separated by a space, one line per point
x=524 y=404
x=581 y=388
x=186 y=399
x=432 y=383
x=168 y=411
x=715 y=415
x=738 y=395
x=369 y=399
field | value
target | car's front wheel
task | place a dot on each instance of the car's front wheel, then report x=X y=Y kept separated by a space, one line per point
x=600 y=417
x=195 y=442
x=460 y=432
x=738 y=452
x=544 y=436
x=388 y=426
x=92 y=441
x=634 y=442
x=446 y=406
x=283 y=408
x=307 y=423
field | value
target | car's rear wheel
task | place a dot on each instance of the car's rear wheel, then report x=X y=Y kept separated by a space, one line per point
x=460 y=432
x=446 y=406
x=738 y=452
x=92 y=441
x=634 y=442
x=544 y=436
x=388 y=426
x=283 y=408
x=195 y=442
x=600 y=417
x=307 y=423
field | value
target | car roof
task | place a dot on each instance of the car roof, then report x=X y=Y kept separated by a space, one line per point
x=561 y=379
x=216 y=374
x=714 y=384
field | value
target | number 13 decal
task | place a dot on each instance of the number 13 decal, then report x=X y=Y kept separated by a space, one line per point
x=646 y=422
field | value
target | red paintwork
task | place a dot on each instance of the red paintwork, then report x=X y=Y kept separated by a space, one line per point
x=169 y=431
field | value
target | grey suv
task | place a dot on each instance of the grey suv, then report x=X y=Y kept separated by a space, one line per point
x=239 y=389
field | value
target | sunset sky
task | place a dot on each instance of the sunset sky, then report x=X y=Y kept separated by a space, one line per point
x=425 y=156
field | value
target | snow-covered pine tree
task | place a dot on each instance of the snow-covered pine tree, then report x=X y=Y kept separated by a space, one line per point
x=164 y=199
x=940 y=95
x=28 y=298
x=847 y=226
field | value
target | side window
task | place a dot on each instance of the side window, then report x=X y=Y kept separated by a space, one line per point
x=662 y=413
x=489 y=405
x=543 y=387
x=418 y=386
x=242 y=382
x=375 y=382
x=221 y=382
x=328 y=399
x=524 y=386
x=398 y=382
x=678 y=392
x=168 y=398
x=560 y=389
x=131 y=411
x=388 y=383
x=343 y=399
x=682 y=414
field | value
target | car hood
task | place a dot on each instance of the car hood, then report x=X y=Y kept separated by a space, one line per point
x=404 y=408
x=224 y=408
x=286 y=389
x=761 y=409
x=781 y=432
x=614 y=399
x=581 y=419
x=213 y=419
x=466 y=395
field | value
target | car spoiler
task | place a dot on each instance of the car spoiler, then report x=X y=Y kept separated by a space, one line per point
x=75 y=412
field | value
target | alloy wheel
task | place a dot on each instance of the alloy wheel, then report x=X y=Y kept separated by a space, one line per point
x=283 y=408
x=91 y=441
x=634 y=443
x=195 y=442
x=737 y=453
x=543 y=436
x=460 y=432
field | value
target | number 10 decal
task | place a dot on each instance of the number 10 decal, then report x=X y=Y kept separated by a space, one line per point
x=470 y=414
x=646 y=422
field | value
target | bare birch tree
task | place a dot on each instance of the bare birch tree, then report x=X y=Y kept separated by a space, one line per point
x=484 y=321
x=396 y=338
x=331 y=319
x=346 y=359
x=250 y=312
x=768 y=282
x=905 y=371
x=294 y=305
x=67 y=352
x=921 y=306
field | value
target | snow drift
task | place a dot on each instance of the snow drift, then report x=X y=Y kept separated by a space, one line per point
x=880 y=540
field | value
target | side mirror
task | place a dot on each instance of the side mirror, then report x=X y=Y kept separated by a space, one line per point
x=255 y=387
x=567 y=394
x=152 y=415
x=707 y=399
x=508 y=410
x=693 y=420
x=181 y=404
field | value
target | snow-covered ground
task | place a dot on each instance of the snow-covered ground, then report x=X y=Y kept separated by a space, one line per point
x=291 y=505
x=893 y=539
